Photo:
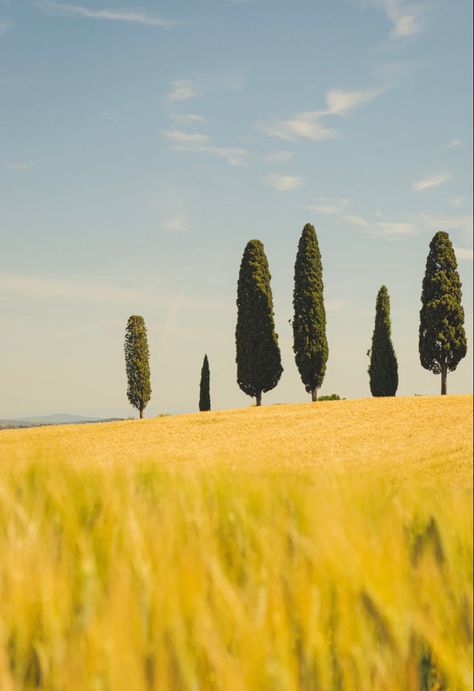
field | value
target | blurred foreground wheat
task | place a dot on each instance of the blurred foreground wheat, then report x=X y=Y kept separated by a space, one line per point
x=152 y=577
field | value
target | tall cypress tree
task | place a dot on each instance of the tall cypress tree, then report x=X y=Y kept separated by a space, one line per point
x=383 y=369
x=137 y=363
x=258 y=355
x=204 y=388
x=309 y=322
x=442 y=340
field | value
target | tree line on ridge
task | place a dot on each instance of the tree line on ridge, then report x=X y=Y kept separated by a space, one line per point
x=441 y=344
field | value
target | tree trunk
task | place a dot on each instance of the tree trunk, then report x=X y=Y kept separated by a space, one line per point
x=141 y=413
x=314 y=394
x=259 y=398
x=444 y=380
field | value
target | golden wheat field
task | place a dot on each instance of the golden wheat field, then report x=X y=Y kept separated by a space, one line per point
x=315 y=546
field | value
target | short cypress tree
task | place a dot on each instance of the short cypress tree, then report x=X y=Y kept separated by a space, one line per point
x=137 y=363
x=204 y=388
x=309 y=322
x=383 y=369
x=258 y=355
x=442 y=340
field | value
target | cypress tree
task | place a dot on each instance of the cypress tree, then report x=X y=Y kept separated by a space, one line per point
x=442 y=340
x=258 y=355
x=137 y=363
x=383 y=369
x=204 y=388
x=309 y=323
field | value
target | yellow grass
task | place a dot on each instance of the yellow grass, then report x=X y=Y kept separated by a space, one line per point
x=323 y=546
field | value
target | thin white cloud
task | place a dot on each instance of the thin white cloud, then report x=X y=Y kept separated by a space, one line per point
x=464 y=253
x=278 y=156
x=457 y=202
x=182 y=90
x=301 y=126
x=186 y=118
x=406 y=18
x=4 y=26
x=187 y=141
x=18 y=166
x=392 y=230
x=336 y=305
x=114 y=15
x=175 y=224
x=340 y=102
x=310 y=124
x=284 y=183
x=41 y=287
x=431 y=181
x=331 y=207
x=463 y=224
x=357 y=220
x=455 y=143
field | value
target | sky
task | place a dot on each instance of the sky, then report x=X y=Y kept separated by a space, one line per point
x=143 y=144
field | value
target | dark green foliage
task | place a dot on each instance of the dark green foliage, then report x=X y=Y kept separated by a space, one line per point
x=137 y=363
x=331 y=397
x=442 y=339
x=258 y=355
x=383 y=369
x=204 y=388
x=309 y=323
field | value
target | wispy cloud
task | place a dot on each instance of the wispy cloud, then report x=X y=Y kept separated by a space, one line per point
x=114 y=15
x=175 y=224
x=331 y=207
x=455 y=143
x=406 y=18
x=4 y=26
x=311 y=124
x=340 y=102
x=457 y=202
x=18 y=166
x=462 y=224
x=379 y=227
x=278 y=156
x=182 y=90
x=394 y=230
x=42 y=287
x=357 y=220
x=188 y=141
x=336 y=305
x=301 y=126
x=465 y=253
x=186 y=118
x=427 y=183
x=284 y=183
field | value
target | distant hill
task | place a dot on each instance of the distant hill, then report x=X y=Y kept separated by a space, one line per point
x=57 y=419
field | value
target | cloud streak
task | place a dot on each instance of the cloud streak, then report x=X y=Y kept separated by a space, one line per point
x=311 y=124
x=194 y=141
x=182 y=90
x=18 y=166
x=464 y=253
x=284 y=183
x=113 y=15
x=431 y=181
x=406 y=19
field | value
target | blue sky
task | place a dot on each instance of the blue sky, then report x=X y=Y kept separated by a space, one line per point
x=142 y=146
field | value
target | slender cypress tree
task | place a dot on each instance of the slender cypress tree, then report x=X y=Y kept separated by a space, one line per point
x=258 y=355
x=137 y=363
x=309 y=323
x=383 y=369
x=442 y=340
x=204 y=389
